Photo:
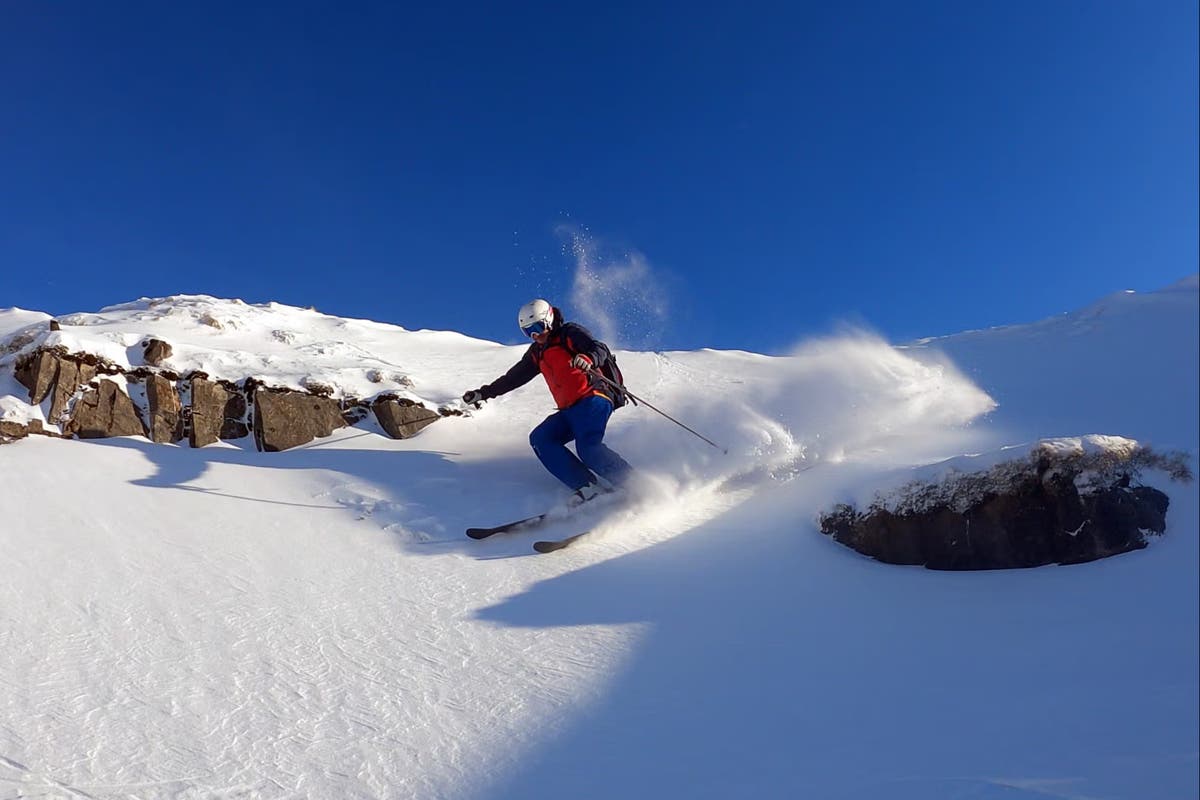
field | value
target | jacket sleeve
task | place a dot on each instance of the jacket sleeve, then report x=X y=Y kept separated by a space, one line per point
x=521 y=373
x=582 y=341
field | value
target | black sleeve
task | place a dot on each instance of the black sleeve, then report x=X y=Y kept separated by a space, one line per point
x=582 y=341
x=521 y=373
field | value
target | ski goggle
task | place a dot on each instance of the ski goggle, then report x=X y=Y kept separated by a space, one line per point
x=535 y=329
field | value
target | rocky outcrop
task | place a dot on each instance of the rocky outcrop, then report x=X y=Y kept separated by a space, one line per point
x=37 y=373
x=201 y=410
x=53 y=373
x=402 y=418
x=1051 y=513
x=218 y=411
x=104 y=412
x=207 y=412
x=72 y=375
x=164 y=410
x=285 y=419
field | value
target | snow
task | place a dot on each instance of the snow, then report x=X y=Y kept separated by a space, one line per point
x=313 y=623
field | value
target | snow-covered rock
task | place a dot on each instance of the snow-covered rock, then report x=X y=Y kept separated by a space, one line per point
x=1063 y=501
x=289 y=374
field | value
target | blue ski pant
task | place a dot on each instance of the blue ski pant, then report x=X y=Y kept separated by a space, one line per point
x=584 y=423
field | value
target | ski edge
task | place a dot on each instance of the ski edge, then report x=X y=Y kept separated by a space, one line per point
x=554 y=545
x=483 y=533
x=528 y=522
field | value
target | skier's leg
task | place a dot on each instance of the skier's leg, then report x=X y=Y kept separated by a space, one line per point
x=549 y=440
x=589 y=418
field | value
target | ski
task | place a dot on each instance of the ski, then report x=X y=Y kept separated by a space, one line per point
x=555 y=545
x=529 y=522
x=483 y=533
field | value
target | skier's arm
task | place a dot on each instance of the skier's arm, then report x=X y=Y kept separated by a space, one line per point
x=521 y=373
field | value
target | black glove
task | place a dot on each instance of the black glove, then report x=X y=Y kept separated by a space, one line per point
x=473 y=397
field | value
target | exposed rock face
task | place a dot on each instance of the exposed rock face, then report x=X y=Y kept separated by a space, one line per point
x=210 y=411
x=157 y=351
x=1039 y=518
x=235 y=426
x=402 y=418
x=105 y=412
x=37 y=373
x=71 y=375
x=284 y=419
x=165 y=410
x=217 y=413
x=52 y=370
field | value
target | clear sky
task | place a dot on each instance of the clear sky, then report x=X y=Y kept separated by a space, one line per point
x=759 y=171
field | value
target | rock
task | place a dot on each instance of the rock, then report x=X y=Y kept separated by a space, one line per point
x=1040 y=519
x=164 y=410
x=207 y=412
x=156 y=352
x=235 y=425
x=71 y=375
x=355 y=412
x=11 y=430
x=402 y=418
x=216 y=412
x=317 y=387
x=37 y=372
x=105 y=412
x=286 y=419
x=54 y=326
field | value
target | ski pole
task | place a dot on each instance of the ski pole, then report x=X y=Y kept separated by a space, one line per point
x=642 y=402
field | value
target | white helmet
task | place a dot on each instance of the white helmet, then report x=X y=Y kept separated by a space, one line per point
x=536 y=316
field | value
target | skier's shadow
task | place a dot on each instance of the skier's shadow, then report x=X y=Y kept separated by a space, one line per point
x=392 y=487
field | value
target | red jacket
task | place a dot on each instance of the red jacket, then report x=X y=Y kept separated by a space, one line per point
x=553 y=360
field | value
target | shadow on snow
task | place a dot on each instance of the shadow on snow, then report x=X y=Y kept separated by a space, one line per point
x=778 y=664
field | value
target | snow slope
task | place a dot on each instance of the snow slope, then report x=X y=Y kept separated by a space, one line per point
x=226 y=623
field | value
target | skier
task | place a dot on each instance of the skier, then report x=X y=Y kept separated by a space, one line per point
x=566 y=354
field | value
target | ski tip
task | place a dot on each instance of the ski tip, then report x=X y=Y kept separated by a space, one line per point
x=479 y=533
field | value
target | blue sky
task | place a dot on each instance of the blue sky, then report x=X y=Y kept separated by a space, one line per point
x=772 y=169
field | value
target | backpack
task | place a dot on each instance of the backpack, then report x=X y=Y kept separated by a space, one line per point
x=611 y=371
